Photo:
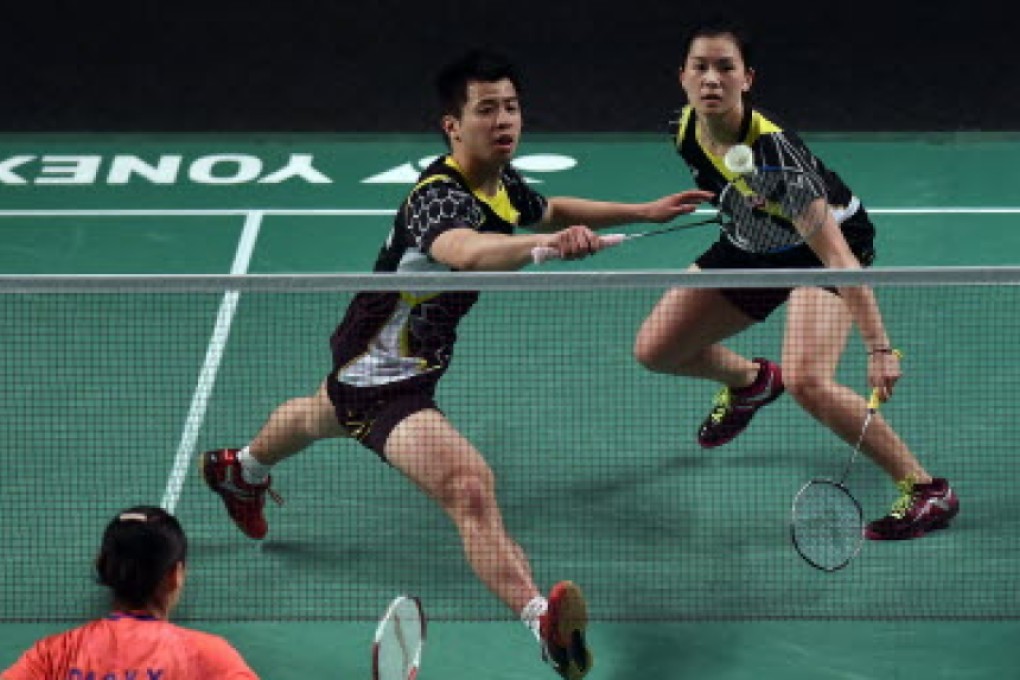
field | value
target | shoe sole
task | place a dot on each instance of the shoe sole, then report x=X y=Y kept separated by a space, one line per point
x=570 y=611
x=918 y=533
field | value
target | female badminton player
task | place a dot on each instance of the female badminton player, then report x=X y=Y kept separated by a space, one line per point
x=141 y=561
x=683 y=334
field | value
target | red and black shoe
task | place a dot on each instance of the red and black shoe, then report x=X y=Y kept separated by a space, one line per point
x=244 y=501
x=920 y=509
x=562 y=630
x=733 y=409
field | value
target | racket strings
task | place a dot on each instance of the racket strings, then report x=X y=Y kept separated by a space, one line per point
x=773 y=209
x=827 y=525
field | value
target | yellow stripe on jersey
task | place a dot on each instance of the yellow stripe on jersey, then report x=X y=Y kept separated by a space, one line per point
x=415 y=300
x=686 y=119
x=681 y=125
x=760 y=125
x=500 y=203
x=428 y=180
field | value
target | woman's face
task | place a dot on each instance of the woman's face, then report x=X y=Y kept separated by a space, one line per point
x=714 y=76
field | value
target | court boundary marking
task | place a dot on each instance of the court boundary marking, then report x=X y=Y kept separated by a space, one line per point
x=210 y=366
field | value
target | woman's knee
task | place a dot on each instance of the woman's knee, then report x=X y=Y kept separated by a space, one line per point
x=808 y=388
x=648 y=351
x=662 y=355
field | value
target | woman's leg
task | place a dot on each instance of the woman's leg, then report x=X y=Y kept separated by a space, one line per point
x=817 y=327
x=682 y=333
x=682 y=336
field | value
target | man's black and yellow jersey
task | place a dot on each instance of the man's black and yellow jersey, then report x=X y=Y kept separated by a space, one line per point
x=772 y=145
x=391 y=336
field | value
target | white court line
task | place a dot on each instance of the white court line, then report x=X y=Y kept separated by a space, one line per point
x=211 y=366
x=366 y=212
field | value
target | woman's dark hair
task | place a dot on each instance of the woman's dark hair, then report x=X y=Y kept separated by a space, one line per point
x=477 y=65
x=714 y=29
x=140 y=547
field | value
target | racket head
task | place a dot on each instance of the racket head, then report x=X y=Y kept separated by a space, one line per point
x=399 y=640
x=826 y=524
x=772 y=209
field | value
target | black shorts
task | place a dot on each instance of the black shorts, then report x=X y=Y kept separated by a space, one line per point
x=759 y=303
x=369 y=414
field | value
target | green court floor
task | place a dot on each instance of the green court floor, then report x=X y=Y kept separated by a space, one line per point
x=81 y=204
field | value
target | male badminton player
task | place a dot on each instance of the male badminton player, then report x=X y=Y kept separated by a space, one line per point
x=391 y=349
x=684 y=332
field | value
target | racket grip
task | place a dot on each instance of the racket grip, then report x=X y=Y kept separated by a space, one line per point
x=540 y=254
x=874 y=401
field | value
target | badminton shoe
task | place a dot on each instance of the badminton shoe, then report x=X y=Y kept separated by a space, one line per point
x=920 y=509
x=244 y=501
x=733 y=409
x=562 y=630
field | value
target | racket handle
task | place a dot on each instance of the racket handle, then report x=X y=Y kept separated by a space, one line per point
x=540 y=254
x=874 y=401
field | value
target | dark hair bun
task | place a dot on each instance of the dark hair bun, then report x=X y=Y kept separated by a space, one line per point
x=140 y=546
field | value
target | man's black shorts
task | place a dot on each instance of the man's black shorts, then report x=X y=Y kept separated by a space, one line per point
x=369 y=414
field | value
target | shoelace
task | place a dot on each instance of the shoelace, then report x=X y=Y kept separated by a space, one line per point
x=721 y=405
x=906 y=499
x=277 y=498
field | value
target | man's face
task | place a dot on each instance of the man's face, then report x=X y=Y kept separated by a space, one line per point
x=489 y=127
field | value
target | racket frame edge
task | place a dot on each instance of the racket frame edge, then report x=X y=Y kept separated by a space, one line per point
x=793 y=524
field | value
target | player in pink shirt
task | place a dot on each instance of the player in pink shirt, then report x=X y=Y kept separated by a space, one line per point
x=142 y=562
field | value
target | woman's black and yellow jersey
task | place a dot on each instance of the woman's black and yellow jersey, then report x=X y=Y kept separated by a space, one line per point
x=772 y=146
x=391 y=336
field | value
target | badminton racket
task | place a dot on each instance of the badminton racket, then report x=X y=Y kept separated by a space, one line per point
x=763 y=210
x=826 y=521
x=399 y=640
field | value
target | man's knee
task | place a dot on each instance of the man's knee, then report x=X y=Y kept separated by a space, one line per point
x=316 y=416
x=469 y=493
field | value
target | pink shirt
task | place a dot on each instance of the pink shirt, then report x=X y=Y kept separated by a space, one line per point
x=130 y=647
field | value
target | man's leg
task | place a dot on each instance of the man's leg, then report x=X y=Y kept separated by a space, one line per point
x=446 y=466
x=241 y=476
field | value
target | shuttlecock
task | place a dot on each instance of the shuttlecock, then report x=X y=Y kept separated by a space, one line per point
x=739 y=159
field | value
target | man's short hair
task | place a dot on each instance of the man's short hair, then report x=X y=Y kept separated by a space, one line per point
x=477 y=65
